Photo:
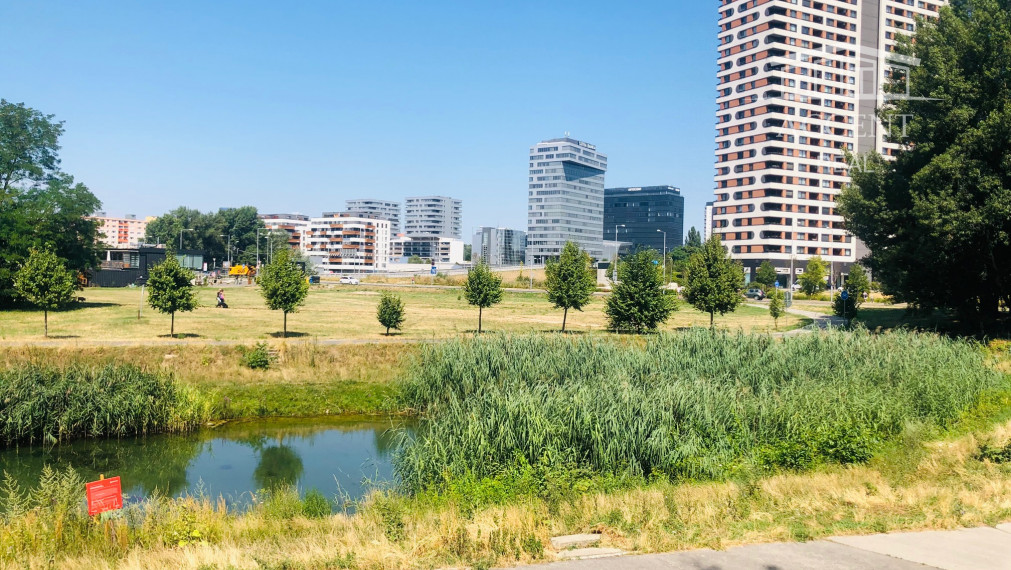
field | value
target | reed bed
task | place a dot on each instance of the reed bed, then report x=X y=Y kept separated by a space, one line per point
x=694 y=405
x=47 y=404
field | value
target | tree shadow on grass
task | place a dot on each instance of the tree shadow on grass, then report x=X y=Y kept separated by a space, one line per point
x=290 y=334
x=179 y=336
x=77 y=306
x=62 y=336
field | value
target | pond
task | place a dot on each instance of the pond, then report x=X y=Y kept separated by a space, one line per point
x=344 y=458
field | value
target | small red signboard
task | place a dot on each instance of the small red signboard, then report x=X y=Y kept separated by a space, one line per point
x=104 y=495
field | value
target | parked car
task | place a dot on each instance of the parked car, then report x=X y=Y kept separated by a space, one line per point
x=755 y=293
x=348 y=280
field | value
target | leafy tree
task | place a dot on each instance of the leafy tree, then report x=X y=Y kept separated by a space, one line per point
x=571 y=280
x=468 y=252
x=856 y=285
x=283 y=285
x=813 y=279
x=416 y=260
x=937 y=219
x=777 y=305
x=694 y=239
x=210 y=232
x=390 y=311
x=29 y=145
x=714 y=280
x=170 y=289
x=482 y=289
x=639 y=303
x=40 y=206
x=45 y=281
x=766 y=276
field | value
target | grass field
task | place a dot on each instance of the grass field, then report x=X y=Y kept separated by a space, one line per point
x=332 y=312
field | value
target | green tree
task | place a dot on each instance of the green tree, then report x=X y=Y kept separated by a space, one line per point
x=571 y=280
x=766 y=276
x=29 y=147
x=390 y=311
x=170 y=289
x=40 y=206
x=694 y=239
x=45 y=281
x=813 y=279
x=468 y=252
x=937 y=219
x=714 y=281
x=856 y=285
x=482 y=289
x=283 y=285
x=777 y=305
x=639 y=303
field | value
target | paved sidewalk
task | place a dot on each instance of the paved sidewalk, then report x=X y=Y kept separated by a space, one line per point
x=983 y=548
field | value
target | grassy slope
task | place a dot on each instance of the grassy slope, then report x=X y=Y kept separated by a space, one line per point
x=307 y=379
x=341 y=312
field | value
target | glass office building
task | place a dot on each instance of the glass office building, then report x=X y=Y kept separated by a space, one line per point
x=565 y=199
x=633 y=216
x=499 y=246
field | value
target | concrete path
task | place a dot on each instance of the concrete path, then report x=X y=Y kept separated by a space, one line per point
x=983 y=548
x=821 y=320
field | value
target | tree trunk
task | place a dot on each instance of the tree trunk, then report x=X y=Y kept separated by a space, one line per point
x=387 y=331
x=45 y=319
x=479 y=311
x=712 y=315
x=172 y=327
x=284 y=333
x=565 y=317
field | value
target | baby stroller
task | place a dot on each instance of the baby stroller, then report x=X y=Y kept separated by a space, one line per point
x=221 y=300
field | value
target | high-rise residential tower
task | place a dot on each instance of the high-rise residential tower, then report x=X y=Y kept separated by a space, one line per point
x=565 y=199
x=384 y=209
x=798 y=83
x=433 y=216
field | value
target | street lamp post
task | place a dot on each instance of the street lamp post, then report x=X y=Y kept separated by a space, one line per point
x=258 y=246
x=229 y=249
x=181 y=237
x=664 y=256
x=614 y=270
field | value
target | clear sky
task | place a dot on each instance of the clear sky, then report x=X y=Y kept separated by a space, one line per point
x=296 y=106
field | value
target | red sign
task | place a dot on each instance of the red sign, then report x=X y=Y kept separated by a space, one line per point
x=104 y=495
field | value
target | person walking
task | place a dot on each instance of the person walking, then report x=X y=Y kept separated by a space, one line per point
x=221 y=300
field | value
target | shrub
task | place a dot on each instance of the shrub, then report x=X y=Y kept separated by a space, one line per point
x=258 y=357
x=315 y=505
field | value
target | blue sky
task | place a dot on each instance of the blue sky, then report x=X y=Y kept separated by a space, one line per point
x=297 y=106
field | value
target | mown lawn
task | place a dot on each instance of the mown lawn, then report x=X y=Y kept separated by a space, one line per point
x=331 y=312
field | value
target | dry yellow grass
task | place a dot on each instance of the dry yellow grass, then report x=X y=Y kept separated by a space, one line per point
x=933 y=485
x=341 y=312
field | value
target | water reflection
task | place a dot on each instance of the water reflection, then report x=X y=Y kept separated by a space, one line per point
x=335 y=456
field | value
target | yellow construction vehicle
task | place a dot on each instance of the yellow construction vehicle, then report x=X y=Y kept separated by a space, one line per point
x=242 y=271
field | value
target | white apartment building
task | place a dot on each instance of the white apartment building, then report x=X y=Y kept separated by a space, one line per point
x=295 y=225
x=792 y=85
x=128 y=231
x=348 y=243
x=565 y=199
x=384 y=209
x=433 y=216
x=440 y=250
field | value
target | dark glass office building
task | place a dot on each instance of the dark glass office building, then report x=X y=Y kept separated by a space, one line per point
x=642 y=211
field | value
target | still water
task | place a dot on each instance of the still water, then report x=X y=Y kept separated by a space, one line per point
x=344 y=458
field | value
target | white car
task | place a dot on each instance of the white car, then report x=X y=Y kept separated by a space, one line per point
x=348 y=280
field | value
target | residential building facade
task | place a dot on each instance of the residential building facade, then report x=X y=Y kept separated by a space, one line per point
x=707 y=222
x=643 y=215
x=348 y=243
x=295 y=225
x=384 y=209
x=440 y=250
x=499 y=246
x=794 y=97
x=433 y=216
x=128 y=231
x=565 y=199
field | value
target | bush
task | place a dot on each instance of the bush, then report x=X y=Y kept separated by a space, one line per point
x=315 y=505
x=258 y=357
x=696 y=404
